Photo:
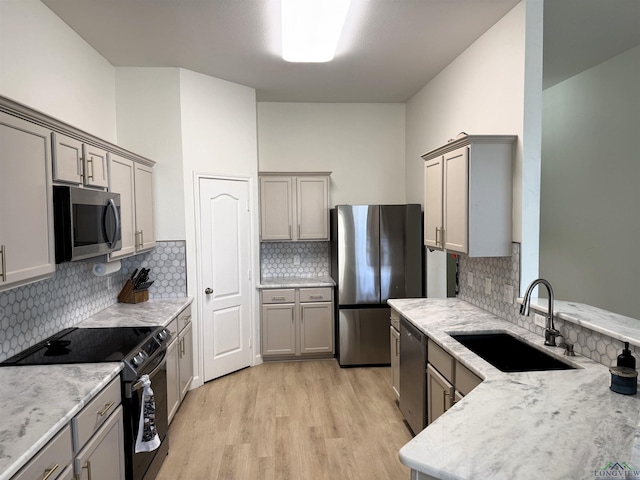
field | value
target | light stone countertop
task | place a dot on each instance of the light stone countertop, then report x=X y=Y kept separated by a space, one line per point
x=36 y=402
x=296 y=282
x=554 y=425
x=152 y=312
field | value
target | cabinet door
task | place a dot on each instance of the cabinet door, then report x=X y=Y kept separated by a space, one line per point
x=67 y=159
x=173 y=382
x=276 y=208
x=26 y=247
x=456 y=192
x=186 y=359
x=395 y=361
x=95 y=166
x=102 y=458
x=121 y=180
x=439 y=394
x=316 y=328
x=145 y=224
x=278 y=329
x=312 y=202
x=433 y=175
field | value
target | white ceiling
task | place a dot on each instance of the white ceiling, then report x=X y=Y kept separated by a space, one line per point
x=390 y=48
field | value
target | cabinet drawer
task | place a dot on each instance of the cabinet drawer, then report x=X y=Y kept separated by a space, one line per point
x=173 y=328
x=315 y=294
x=184 y=317
x=95 y=413
x=53 y=458
x=466 y=380
x=441 y=360
x=282 y=295
x=395 y=319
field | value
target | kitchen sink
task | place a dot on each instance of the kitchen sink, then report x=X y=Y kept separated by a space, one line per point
x=508 y=353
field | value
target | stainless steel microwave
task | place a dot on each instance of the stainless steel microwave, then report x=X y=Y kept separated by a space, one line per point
x=86 y=223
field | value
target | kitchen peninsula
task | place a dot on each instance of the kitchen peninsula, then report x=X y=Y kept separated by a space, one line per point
x=550 y=424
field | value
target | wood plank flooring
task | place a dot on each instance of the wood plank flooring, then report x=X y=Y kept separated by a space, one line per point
x=284 y=421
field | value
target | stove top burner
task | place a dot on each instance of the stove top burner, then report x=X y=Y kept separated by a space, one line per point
x=89 y=345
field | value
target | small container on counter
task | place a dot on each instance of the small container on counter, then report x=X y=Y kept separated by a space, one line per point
x=624 y=380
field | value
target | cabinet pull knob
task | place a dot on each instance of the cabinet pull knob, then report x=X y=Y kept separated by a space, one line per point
x=88 y=467
x=49 y=471
x=106 y=408
x=3 y=272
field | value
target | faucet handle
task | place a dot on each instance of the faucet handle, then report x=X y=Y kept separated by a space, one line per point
x=568 y=350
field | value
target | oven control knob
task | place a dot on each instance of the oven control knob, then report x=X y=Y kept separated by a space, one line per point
x=138 y=359
x=162 y=335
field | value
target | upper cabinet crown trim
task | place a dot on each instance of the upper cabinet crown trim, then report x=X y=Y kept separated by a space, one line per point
x=294 y=174
x=34 y=116
x=468 y=140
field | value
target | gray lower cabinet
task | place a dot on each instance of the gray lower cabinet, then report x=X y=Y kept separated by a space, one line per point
x=395 y=361
x=98 y=437
x=297 y=322
x=51 y=461
x=439 y=394
x=102 y=458
x=179 y=361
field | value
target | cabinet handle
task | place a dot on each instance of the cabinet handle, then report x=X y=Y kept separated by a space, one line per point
x=181 y=347
x=397 y=345
x=106 y=408
x=49 y=471
x=298 y=231
x=90 y=162
x=444 y=398
x=141 y=238
x=88 y=467
x=3 y=272
x=316 y=297
x=274 y=299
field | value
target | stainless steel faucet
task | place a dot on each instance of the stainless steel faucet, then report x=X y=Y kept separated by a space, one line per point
x=550 y=332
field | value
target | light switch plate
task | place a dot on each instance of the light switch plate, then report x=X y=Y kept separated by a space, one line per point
x=540 y=320
x=487 y=285
x=470 y=279
x=508 y=294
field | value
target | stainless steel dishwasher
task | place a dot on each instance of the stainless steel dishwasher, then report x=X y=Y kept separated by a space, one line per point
x=413 y=373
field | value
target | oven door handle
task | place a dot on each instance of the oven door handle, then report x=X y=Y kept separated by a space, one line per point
x=139 y=383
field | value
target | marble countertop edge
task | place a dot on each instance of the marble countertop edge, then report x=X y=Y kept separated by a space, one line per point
x=295 y=282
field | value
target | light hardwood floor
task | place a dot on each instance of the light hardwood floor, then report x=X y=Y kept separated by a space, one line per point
x=284 y=421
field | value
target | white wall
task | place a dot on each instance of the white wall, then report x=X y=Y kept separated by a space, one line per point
x=218 y=120
x=361 y=144
x=148 y=119
x=480 y=92
x=590 y=227
x=47 y=66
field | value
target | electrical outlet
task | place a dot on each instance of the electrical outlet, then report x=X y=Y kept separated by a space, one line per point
x=108 y=283
x=540 y=320
x=508 y=294
x=296 y=259
x=470 y=279
x=487 y=286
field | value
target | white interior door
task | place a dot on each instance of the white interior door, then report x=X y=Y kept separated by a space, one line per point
x=226 y=285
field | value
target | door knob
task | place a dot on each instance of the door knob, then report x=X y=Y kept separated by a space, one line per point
x=208 y=291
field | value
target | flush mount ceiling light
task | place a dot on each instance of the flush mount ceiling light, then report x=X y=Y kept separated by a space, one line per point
x=311 y=29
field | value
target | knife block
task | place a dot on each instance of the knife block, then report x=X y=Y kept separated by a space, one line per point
x=129 y=295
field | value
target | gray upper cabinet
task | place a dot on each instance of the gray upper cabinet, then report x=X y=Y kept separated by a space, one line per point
x=294 y=207
x=78 y=163
x=26 y=247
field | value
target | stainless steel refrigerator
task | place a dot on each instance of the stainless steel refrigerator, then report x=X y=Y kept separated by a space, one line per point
x=376 y=254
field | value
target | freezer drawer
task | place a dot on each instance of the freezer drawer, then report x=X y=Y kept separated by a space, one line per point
x=364 y=336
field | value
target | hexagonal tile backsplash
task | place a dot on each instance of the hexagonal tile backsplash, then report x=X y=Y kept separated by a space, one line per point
x=294 y=259
x=506 y=271
x=31 y=313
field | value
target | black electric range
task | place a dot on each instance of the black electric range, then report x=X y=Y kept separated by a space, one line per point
x=131 y=345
